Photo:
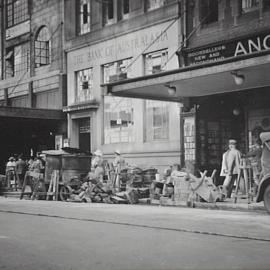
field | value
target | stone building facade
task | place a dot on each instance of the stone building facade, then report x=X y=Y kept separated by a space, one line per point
x=222 y=80
x=33 y=80
x=111 y=41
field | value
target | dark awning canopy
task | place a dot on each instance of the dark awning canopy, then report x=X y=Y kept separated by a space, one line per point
x=30 y=113
x=196 y=81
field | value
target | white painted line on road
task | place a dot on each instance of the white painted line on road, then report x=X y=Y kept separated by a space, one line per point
x=3 y=237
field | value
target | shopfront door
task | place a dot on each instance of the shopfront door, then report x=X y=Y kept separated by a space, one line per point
x=85 y=134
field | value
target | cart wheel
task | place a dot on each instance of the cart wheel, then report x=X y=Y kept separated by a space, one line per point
x=266 y=199
x=64 y=193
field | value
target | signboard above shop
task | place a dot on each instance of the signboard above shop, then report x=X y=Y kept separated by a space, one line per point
x=228 y=49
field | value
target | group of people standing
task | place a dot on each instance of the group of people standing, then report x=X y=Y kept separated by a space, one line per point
x=17 y=165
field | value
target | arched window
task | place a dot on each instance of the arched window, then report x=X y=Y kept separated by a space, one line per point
x=42 y=47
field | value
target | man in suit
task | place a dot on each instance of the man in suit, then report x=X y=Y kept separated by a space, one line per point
x=230 y=167
x=21 y=169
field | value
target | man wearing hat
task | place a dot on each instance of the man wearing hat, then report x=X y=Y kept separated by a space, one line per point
x=230 y=167
x=118 y=164
x=265 y=158
x=97 y=165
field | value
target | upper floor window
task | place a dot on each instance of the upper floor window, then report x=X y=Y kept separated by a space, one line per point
x=250 y=5
x=125 y=8
x=156 y=62
x=118 y=70
x=108 y=12
x=84 y=89
x=18 y=60
x=17 y=12
x=208 y=11
x=84 y=16
x=42 y=47
x=153 y=4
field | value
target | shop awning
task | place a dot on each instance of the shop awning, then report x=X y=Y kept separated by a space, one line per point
x=30 y=113
x=196 y=81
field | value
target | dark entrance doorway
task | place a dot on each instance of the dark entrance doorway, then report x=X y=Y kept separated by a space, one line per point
x=219 y=118
x=84 y=134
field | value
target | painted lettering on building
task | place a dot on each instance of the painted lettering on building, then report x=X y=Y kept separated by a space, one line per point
x=131 y=44
x=253 y=45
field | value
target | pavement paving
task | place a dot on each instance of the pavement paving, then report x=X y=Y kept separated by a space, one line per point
x=57 y=235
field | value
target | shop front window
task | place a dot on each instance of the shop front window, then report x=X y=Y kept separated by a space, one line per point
x=118 y=120
x=116 y=71
x=154 y=4
x=84 y=18
x=84 y=89
x=209 y=11
x=17 y=12
x=250 y=5
x=157 y=120
x=155 y=62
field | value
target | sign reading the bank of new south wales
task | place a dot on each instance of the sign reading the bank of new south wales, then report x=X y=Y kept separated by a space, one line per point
x=230 y=49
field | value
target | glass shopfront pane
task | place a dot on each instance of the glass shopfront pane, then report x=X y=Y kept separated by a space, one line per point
x=118 y=120
x=157 y=120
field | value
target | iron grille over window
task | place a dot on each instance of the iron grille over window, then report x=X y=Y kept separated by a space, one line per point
x=156 y=62
x=116 y=71
x=42 y=48
x=17 y=11
x=84 y=90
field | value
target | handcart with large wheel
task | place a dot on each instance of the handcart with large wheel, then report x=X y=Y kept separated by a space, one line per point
x=73 y=166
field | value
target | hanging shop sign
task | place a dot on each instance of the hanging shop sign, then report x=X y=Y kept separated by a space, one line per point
x=229 y=49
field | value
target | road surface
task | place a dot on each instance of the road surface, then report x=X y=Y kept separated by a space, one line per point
x=56 y=235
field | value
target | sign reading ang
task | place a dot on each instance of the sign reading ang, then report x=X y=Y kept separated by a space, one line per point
x=228 y=49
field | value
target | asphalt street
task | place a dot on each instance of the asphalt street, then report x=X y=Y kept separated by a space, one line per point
x=56 y=235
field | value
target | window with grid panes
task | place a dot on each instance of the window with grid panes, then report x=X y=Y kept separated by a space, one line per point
x=84 y=10
x=157 y=120
x=153 y=4
x=118 y=120
x=17 y=12
x=155 y=62
x=118 y=70
x=9 y=68
x=42 y=47
x=250 y=5
x=84 y=88
x=21 y=59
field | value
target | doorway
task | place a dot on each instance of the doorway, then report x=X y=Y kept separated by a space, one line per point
x=85 y=134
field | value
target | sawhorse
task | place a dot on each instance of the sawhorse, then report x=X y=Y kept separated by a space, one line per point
x=245 y=172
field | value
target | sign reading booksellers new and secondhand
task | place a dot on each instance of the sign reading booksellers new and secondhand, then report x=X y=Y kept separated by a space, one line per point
x=228 y=49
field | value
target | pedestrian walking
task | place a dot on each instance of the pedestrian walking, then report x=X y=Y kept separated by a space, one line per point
x=230 y=167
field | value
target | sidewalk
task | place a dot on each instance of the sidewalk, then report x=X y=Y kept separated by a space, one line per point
x=229 y=204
